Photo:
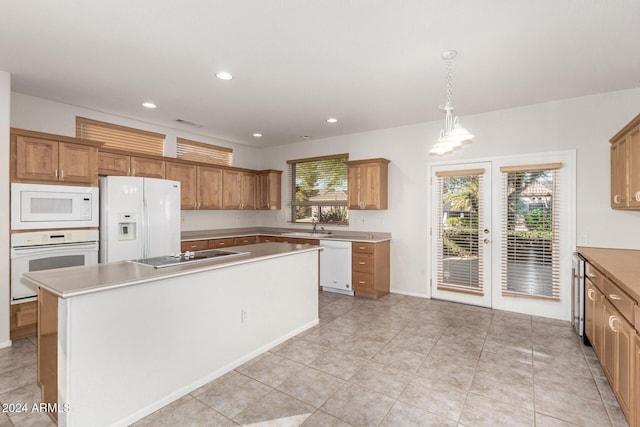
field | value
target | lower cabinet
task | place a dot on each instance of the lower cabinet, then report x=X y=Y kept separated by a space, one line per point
x=609 y=313
x=24 y=319
x=370 y=265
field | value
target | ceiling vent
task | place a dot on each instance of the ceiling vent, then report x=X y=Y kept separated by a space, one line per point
x=188 y=123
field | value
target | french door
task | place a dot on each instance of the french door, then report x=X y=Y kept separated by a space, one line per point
x=461 y=233
x=502 y=233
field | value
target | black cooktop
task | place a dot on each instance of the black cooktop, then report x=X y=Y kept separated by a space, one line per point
x=171 y=261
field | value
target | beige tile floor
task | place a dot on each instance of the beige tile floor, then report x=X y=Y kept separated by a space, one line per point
x=397 y=361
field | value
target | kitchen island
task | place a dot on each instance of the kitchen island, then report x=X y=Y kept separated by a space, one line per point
x=118 y=341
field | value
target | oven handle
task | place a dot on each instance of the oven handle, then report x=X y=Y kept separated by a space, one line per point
x=22 y=251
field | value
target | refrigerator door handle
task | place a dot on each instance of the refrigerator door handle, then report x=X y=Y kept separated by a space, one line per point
x=145 y=226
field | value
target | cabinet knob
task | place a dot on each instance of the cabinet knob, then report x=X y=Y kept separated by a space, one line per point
x=613 y=319
x=637 y=196
x=55 y=173
x=590 y=293
x=614 y=297
x=362 y=263
x=616 y=198
x=61 y=173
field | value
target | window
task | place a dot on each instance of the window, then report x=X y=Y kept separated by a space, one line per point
x=200 y=152
x=120 y=137
x=318 y=190
x=530 y=230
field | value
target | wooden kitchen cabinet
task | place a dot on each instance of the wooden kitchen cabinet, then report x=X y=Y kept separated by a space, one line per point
x=367 y=183
x=269 y=193
x=370 y=268
x=187 y=175
x=118 y=163
x=114 y=164
x=48 y=349
x=200 y=186
x=194 y=245
x=617 y=338
x=245 y=240
x=45 y=159
x=147 y=167
x=221 y=243
x=239 y=189
x=593 y=316
x=267 y=239
x=625 y=167
x=23 y=319
x=612 y=318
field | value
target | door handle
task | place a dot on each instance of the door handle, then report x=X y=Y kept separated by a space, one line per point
x=486 y=231
x=487 y=241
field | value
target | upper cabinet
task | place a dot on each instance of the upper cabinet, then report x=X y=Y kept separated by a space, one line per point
x=625 y=167
x=367 y=183
x=269 y=189
x=200 y=186
x=113 y=163
x=239 y=189
x=38 y=157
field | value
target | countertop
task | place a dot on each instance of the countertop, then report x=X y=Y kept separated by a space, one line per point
x=351 y=236
x=621 y=266
x=74 y=281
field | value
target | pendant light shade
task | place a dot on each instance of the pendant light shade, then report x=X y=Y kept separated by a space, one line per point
x=454 y=135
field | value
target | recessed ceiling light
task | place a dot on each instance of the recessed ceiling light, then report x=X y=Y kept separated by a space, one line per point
x=149 y=105
x=257 y=135
x=223 y=75
x=306 y=137
x=332 y=120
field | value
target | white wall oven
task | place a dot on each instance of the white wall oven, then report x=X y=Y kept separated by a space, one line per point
x=38 y=206
x=44 y=250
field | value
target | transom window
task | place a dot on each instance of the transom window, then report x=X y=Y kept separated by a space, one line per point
x=318 y=190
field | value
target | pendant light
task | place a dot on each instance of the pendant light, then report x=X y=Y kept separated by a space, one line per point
x=453 y=135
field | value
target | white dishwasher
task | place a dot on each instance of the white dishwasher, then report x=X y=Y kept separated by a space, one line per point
x=335 y=266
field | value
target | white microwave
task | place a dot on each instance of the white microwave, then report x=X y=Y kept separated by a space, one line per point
x=38 y=206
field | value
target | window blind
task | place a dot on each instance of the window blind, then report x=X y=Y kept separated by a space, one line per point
x=530 y=230
x=317 y=189
x=120 y=137
x=201 y=152
x=460 y=212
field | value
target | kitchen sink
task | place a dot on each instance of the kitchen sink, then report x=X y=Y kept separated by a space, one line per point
x=302 y=234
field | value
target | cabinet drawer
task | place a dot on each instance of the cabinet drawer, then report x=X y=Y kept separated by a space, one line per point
x=220 y=243
x=362 y=263
x=194 y=245
x=26 y=317
x=314 y=242
x=363 y=281
x=621 y=301
x=594 y=275
x=267 y=239
x=247 y=240
x=363 y=248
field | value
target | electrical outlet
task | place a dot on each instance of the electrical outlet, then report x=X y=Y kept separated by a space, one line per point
x=244 y=316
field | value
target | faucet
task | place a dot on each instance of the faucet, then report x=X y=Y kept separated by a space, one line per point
x=315 y=224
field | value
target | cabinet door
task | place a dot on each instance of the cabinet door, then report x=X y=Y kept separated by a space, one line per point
x=209 y=188
x=37 y=159
x=609 y=351
x=634 y=167
x=150 y=168
x=186 y=174
x=354 y=196
x=248 y=190
x=269 y=190
x=624 y=367
x=231 y=189
x=619 y=172
x=113 y=164
x=77 y=163
x=593 y=316
x=373 y=195
x=636 y=388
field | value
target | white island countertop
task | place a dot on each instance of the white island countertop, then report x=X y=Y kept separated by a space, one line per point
x=74 y=281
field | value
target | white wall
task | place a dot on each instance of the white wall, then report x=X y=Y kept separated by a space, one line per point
x=584 y=124
x=5 y=101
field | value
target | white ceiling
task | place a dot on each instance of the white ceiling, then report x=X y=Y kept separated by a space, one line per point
x=371 y=63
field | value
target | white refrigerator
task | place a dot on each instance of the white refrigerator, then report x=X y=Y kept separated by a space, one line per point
x=139 y=218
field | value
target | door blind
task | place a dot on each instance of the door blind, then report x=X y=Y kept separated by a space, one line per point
x=530 y=211
x=459 y=210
